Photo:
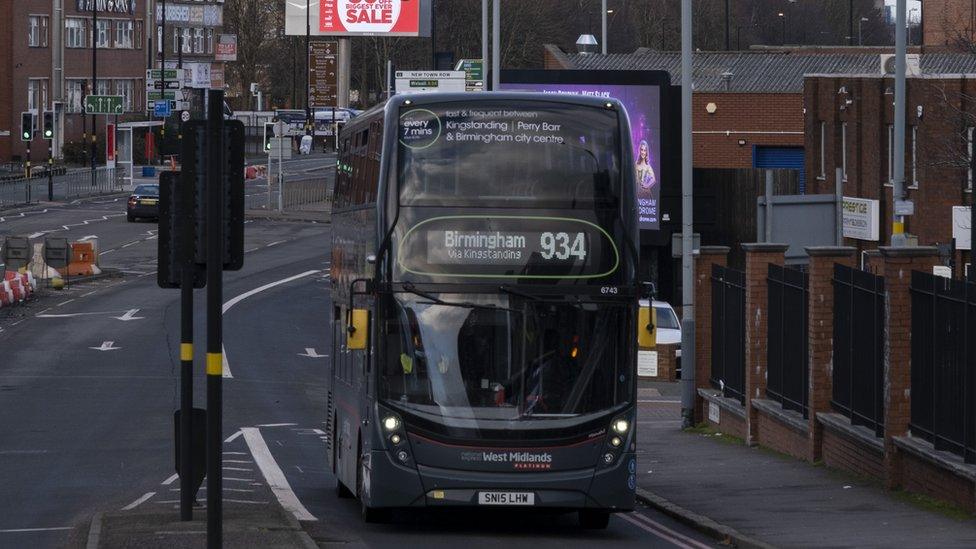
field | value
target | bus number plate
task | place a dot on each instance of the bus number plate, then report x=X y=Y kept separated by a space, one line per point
x=506 y=498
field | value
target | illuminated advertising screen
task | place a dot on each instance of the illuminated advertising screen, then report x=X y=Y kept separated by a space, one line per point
x=643 y=104
x=359 y=17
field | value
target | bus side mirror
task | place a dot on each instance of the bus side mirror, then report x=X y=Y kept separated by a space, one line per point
x=647 y=328
x=357 y=329
x=648 y=290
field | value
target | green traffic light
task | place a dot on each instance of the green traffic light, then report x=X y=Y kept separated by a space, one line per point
x=48 y=134
x=27 y=135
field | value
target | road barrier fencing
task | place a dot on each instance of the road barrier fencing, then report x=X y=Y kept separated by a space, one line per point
x=68 y=186
x=858 y=347
x=787 y=351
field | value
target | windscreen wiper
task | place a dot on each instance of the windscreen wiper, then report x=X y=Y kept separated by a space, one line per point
x=410 y=289
x=506 y=289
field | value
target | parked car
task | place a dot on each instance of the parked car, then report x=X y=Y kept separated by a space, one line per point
x=143 y=202
x=668 y=327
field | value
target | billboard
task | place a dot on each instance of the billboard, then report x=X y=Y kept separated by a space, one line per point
x=357 y=17
x=641 y=94
x=226 y=47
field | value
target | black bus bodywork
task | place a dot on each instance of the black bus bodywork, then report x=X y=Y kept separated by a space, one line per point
x=484 y=289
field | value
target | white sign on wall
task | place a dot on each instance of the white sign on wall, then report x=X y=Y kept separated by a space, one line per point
x=862 y=218
x=961 y=223
x=647 y=363
x=430 y=81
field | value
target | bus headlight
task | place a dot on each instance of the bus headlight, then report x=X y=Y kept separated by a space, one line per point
x=621 y=426
x=395 y=439
x=390 y=423
x=616 y=442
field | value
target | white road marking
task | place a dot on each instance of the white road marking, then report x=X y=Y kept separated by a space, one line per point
x=233 y=437
x=143 y=499
x=237 y=460
x=277 y=425
x=107 y=346
x=129 y=315
x=245 y=469
x=234 y=301
x=275 y=243
x=65 y=302
x=170 y=480
x=310 y=353
x=235 y=453
x=273 y=474
x=72 y=315
x=251 y=480
x=130 y=244
x=25 y=530
x=662 y=530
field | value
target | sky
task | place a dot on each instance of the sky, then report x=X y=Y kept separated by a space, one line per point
x=916 y=4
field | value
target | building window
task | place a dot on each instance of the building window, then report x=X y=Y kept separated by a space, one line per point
x=198 y=45
x=969 y=158
x=891 y=154
x=74 y=33
x=123 y=34
x=102 y=38
x=210 y=40
x=823 y=150
x=75 y=92
x=187 y=40
x=914 y=184
x=104 y=87
x=125 y=88
x=36 y=94
x=139 y=35
x=843 y=150
x=37 y=31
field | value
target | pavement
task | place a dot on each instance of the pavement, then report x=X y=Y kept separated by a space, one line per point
x=769 y=498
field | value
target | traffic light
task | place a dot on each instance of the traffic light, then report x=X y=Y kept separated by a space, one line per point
x=268 y=135
x=194 y=159
x=26 y=126
x=48 y=125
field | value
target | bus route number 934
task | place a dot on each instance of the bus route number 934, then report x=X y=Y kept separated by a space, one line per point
x=563 y=246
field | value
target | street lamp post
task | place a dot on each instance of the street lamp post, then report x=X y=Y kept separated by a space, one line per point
x=860 y=40
x=782 y=16
x=603 y=27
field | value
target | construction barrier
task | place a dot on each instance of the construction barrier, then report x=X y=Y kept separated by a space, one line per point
x=83 y=259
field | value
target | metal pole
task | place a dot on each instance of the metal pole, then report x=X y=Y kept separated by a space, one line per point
x=839 y=206
x=603 y=26
x=484 y=41
x=215 y=290
x=850 y=22
x=50 y=166
x=94 y=85
x=186 y=363
x=309 y=122
x=162 y=73
x=687 y=266
x=496 y=38
x=389 y=87
x=728 y=25
x=345 y=71
x=769 y=207
x=898 y=191
x=281 y=175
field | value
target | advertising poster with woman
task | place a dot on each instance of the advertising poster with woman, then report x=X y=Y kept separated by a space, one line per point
x=642 y=103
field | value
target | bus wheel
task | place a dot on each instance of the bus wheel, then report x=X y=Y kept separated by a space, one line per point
x=370 y=514
x=592 y=519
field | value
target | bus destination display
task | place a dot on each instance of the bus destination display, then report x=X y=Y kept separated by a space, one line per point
x=458 y=247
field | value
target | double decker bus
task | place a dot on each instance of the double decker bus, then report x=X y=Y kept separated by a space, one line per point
x=485 y=305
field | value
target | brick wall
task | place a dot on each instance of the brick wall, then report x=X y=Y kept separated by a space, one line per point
x=820 y=329
x=729 y=423
x=774 y=119
x=772 y=433
x=758 y=258
x=946 y=24
x=898 y=266
x=707 y=256
x=841 y=452
x=7 y=122
x=667 y=362
x=922 y=477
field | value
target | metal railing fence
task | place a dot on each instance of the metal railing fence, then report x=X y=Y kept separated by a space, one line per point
x=68 y=186
x=943 y=388
x=787 y=349
x=729 y=332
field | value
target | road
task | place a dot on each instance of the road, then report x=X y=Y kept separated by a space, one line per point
x=89 y=382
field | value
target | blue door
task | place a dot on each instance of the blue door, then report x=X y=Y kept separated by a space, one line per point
x=782 y=158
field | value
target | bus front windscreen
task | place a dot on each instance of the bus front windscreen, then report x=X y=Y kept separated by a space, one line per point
x=524 y=191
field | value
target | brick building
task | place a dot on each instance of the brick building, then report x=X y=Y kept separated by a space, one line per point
x=46 y=63
x=850 y=125
x=948 y=25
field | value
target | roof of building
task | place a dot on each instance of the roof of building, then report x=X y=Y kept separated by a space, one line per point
x=761 y=71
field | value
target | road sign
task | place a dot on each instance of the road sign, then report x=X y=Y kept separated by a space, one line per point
x=430 y=81
x=322 y=73
x=161 y=109
x=104 y=104
x=169 y=84
x=184 y=76
x=185 y=116
x=474 y=74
